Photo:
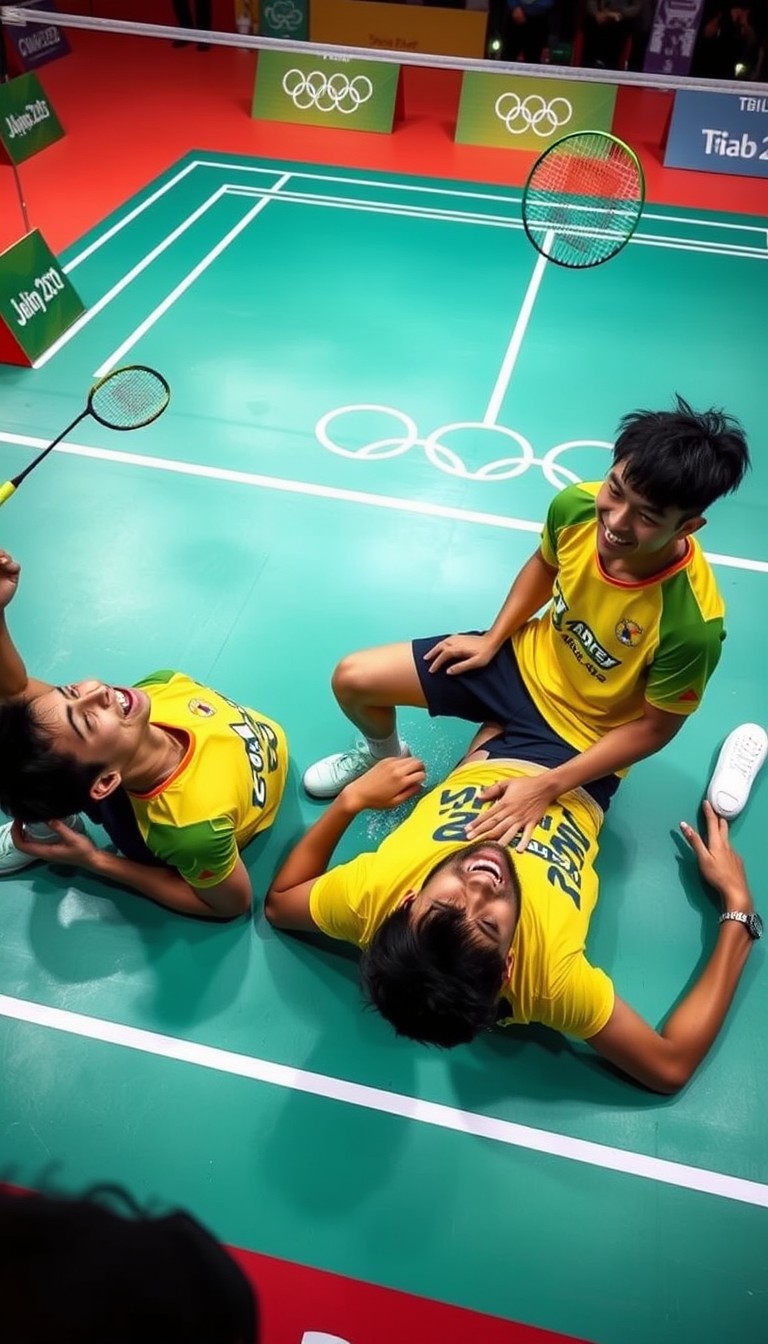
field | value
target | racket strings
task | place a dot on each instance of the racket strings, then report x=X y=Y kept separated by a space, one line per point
x=583 y=199
x=129 y=398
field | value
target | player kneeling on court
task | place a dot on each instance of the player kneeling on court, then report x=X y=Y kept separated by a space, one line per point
x=179 y=776
x=458 y=935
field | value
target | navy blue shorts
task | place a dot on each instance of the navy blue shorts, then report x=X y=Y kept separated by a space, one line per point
x=497 y=694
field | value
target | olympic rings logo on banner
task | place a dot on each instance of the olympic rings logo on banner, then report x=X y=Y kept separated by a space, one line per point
x=283 y=14
x=533 y=113
x=333 y=93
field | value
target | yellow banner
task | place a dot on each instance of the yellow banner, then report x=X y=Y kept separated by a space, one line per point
x=364 y=23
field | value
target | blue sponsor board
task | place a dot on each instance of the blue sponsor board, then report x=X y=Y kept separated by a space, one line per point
x=36 y=44
x=719 y=133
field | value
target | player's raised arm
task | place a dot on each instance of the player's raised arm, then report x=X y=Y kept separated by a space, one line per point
x=665 y=1060
x=13 y=673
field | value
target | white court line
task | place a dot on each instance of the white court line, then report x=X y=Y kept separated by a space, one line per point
x=499 y=392
x=127 y=279
x=389 y=1103
x=507 y=200
x=127 y=219
x=189 y=279
x=326 y=492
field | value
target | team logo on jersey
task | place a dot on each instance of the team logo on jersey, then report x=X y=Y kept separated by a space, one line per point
x=591 y=644
x=628 y=632
x=201 y=708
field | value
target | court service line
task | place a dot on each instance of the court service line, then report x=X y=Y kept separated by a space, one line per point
x=499 y=392
x=405 y=1107
x=128 y=278
x=394 y=502
x=189 y=279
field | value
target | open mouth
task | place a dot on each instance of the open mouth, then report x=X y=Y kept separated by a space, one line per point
x=126 y=701
x=612 y=538
x=487 y=865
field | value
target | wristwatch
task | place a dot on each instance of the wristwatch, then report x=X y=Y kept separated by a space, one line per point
x=753 y=922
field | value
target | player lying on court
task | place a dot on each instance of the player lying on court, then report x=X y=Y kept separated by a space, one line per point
x=457 y=936
x=179 y=776
x=620 y=657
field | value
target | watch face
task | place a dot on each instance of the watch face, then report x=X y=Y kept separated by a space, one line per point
x=755 y=926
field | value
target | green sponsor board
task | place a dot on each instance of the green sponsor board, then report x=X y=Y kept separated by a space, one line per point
x=28 y=123
x=284 y=18
x=37 y=301
x=325 y=91
x=518 y=113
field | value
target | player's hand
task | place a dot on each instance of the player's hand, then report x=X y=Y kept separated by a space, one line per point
x=72 y=848
x=462 y=652
x=389 y=782
x=10 y=571
x=719 y=865
x=517 y=807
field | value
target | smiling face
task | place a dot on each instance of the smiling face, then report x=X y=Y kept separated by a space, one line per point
x=479 y=881
x=98 y=725
x=636 y=531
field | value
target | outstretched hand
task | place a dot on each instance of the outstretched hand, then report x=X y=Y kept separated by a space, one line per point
x=464 y=653
x=389 y=782
x=517 y=807
x=10 y=571
x=719 y=864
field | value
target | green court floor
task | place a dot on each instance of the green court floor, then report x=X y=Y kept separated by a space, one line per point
x=377 y=387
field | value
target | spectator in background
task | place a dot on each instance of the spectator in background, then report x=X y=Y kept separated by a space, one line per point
x=525 y=30
x=202 y=19
x=607 y=26
x=641 y=33
x=730 y=36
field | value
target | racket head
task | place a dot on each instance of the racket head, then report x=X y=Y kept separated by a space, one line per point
x=583 y=199
x=129 y=397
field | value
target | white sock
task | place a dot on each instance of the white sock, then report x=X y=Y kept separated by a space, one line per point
x=380 y=747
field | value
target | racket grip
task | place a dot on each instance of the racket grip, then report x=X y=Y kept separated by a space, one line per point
x=6 y=491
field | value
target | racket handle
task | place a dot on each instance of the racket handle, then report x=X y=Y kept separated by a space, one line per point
x=6 y=491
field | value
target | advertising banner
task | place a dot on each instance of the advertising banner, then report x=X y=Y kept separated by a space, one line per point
x=719 y=133
x=673 y=37
x=319 y=90
x=394 y=27
x=28 y=123
x=37 y=301
x=35 y=44
x=512 y=112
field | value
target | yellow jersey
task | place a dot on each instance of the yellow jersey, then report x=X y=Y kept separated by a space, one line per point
x=227 y=787
x=604 y=646
x=550 y=979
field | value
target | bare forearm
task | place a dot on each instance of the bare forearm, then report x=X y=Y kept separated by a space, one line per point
x=310 y=857
x=531 y=590
x=620 y=748
x=163 y=885
x=13 y=673
x=694 y=1024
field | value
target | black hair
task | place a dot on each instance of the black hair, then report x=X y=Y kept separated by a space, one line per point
x=430 y=978
x=38 y=783
x=682 y=459
x=77 y=1271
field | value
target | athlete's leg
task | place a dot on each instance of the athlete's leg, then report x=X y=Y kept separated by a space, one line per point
x=369 y=684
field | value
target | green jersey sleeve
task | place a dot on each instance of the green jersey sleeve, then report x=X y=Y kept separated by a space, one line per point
x=572 y=506
x=205 y=853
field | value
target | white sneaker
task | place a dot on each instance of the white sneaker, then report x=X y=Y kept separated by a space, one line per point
x=738 y=764
x=12 y=860
x=326 y=778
